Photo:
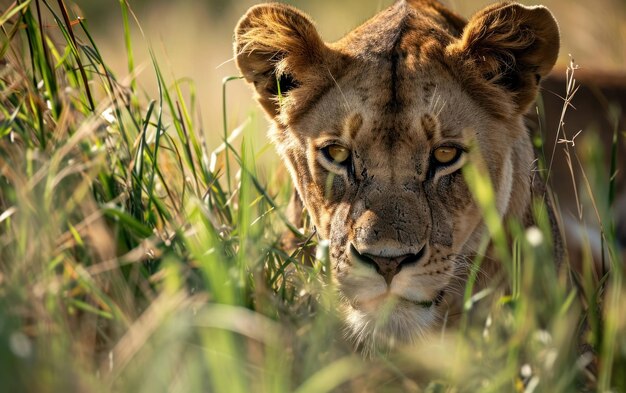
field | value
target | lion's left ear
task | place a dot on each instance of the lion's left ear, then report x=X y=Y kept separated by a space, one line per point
x=512 y=46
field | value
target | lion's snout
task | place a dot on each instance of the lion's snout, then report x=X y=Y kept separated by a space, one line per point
x=387 y=266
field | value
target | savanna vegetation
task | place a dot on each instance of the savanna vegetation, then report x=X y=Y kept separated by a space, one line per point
x=136 y=255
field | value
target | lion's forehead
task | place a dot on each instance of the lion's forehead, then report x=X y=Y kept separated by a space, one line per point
x=399 y=30
x=358 y=112
x=396 y=89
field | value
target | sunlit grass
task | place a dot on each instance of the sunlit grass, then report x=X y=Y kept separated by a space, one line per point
x=134 y=257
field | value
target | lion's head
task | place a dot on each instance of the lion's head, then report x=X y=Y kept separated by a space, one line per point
x=375 y=129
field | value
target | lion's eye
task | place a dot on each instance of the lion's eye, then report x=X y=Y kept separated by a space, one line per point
x=445 y=154
x=337 y=153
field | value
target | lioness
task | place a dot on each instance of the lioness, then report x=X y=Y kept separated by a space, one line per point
x=375 y=129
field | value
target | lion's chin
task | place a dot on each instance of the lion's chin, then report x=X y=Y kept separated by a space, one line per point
x=379 y=324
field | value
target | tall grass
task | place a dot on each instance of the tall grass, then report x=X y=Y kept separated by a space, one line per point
x=134 y=257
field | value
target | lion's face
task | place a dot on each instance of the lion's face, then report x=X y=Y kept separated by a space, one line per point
x=375 y=130
x=386 y=189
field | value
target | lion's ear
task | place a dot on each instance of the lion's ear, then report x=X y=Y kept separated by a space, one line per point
x=512 y=46
x=277 y=49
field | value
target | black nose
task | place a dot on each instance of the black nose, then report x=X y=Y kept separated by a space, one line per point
x=385 y=266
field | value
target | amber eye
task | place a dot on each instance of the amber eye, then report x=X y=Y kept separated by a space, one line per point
x=445 y=154
x=337 y=153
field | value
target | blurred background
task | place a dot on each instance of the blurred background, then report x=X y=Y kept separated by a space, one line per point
x=193 y=39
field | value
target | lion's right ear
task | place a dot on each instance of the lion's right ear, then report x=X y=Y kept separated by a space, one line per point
x=277 y=49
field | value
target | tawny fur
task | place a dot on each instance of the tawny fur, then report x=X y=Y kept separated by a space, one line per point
x=412 y=79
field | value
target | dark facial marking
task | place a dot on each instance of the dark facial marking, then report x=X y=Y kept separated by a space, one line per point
x=395 y=102
x=430 y=126
x=353 y=124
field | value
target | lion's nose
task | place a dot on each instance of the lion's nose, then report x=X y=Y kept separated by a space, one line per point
x=388 y=267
